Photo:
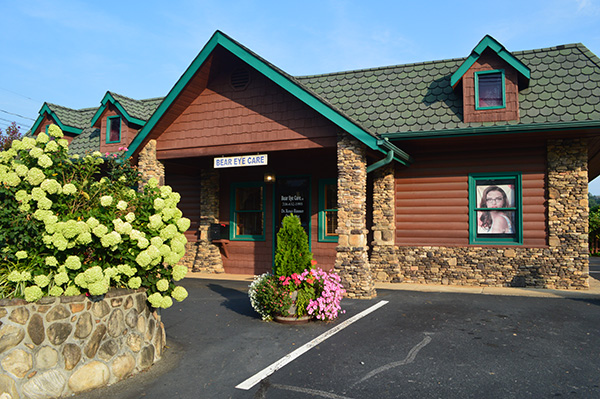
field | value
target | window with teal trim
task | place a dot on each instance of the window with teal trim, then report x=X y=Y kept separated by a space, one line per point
x=328 y=210
x=489 y=90
x=247 y=212
x=495 y=206
x=113 y=129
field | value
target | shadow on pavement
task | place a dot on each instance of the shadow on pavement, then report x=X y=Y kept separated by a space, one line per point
x=235 y=300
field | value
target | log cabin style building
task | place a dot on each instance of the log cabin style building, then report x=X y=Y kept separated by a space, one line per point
x=467 y=171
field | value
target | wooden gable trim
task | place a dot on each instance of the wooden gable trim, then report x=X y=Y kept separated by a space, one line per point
x=489 y=42
x=45 y=110
x=272 y=73
x=109 y=99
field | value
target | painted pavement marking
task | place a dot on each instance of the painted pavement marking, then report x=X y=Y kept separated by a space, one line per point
x=412 y=354
x=313 y=392
x=256 y=378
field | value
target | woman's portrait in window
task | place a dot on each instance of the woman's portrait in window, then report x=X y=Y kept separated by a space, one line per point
x=496 y=214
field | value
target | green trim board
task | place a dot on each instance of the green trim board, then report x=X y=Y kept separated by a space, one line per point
x=109 y=122
x=489 y=130
x=233 y=236
x=478 y=76
x=491 y=43
x=323 y=237
x=46 y=110
x=275 y=75
x=109 y=98
x=511 y=185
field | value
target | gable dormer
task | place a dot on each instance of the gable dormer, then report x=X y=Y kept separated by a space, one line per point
x=490 y=79
x=118 y=122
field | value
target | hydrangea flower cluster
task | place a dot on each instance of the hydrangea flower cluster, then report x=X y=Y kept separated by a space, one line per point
x=69 y=232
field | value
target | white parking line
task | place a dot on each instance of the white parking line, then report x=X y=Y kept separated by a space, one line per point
x=256 y=378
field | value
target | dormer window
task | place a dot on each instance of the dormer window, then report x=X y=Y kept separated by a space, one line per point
x=113 y=129
x=489 y=90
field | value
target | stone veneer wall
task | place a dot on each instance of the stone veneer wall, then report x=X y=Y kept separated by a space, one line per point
x=62 y=346
x=384 y=261
x=207 y=256
x=563 y=264
x=352 y=260
x=149 y=166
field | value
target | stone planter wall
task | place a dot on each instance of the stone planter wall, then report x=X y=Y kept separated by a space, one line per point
x=62 y=346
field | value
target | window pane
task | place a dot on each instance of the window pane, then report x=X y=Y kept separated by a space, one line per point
x=490 y=90
x=495 y=196
x=496 y=223
x=330 y=223
x=249 y=223
x=248 y=199
x=115 y=129
x=330 y=196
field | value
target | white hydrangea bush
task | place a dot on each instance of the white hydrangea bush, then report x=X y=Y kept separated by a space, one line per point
x=66 y=230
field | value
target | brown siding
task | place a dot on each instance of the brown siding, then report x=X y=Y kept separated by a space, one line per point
x=263 y=117
x=128 y=131
x=47 y=121
x=185 y=180
x=432 y=206
x=490 y=61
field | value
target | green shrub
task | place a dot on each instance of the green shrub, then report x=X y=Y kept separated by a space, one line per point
x=292 y=254
x=66 y=230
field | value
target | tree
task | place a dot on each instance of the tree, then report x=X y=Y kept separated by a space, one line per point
x=11 y=133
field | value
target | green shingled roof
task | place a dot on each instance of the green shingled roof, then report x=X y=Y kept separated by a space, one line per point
x=417 y=98
x=77 y=118
x=87 y=142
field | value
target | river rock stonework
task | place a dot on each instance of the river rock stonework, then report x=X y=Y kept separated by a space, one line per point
x=61 y=346
x=563 y=264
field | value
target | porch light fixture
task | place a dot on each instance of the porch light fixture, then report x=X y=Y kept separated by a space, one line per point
x=269 y=177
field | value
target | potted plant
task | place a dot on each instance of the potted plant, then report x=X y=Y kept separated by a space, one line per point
x=297 y=291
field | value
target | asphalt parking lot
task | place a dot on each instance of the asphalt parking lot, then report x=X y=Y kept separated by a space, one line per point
x=415 y=344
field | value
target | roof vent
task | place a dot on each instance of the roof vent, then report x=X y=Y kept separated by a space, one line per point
x=240 y=78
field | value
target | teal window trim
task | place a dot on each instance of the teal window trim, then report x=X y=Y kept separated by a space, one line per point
x=108 y=126
x=323 y=236
x=474 y=207
x=233 y=236
x=503 y=86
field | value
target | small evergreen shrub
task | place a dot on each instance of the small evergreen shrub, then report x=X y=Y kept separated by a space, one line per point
x=292 y=254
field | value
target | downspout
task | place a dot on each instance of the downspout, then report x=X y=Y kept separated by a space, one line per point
x=393 y=152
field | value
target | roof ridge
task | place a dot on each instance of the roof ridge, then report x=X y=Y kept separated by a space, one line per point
x=379 y=68
x=557 y=47
x=589 y=54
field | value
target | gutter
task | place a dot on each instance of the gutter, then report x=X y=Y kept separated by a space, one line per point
x=393 y=152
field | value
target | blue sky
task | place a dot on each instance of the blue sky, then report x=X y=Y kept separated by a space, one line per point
x=71 y=52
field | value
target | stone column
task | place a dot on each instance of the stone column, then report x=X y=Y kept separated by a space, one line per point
x=208 y=256
x=568 y=213
x=384 y=259
x=352 y=259
x=149 y=166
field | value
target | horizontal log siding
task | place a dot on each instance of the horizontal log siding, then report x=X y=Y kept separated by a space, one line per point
x=187 y=184
x=219 y=120
x=432 y=206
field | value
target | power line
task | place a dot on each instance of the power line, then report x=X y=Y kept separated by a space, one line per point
x=10 y=123
x=20 y=116
x=19 y=94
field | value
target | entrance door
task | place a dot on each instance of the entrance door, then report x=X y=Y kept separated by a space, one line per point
x=292 y=196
